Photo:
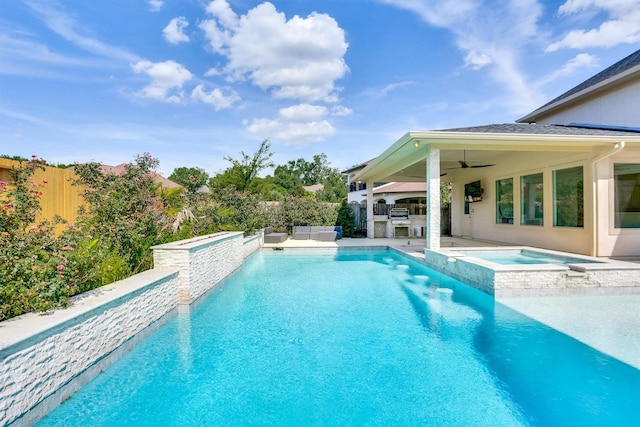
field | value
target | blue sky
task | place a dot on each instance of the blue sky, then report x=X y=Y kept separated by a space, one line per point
x=193 y=81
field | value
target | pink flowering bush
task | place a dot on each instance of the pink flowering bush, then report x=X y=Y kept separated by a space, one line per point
x=33 y=273
x=124 y=213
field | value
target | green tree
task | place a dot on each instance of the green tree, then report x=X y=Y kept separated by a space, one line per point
x=190 y=178
x=298 y=173
x=335 y=187
x=243 y=171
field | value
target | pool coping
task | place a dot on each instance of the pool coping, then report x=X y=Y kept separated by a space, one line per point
x=590 y=264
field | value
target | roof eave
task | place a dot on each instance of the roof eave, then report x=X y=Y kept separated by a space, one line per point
x=409 y=149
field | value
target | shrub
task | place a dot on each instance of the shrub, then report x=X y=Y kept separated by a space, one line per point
x=126 y=210
x=346 y=219
x=302 y=211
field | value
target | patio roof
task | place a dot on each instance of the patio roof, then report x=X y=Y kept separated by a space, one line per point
x=405 y=159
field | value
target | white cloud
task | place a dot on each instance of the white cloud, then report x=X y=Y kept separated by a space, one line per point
x=441 y=13
x=299 y=58
x=491 y=34
x=341 y=110
x=167 y=80
x=174 y=31
x=579 y=61
x=303 y=112
x=215 y=97
x=155 y=5
x=66 y=27
x=223 y=13
x=300 y=124
x=393 y=86
x=622 y=26
x=477 y=60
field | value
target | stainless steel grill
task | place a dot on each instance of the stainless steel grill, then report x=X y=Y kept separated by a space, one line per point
x=398 y=213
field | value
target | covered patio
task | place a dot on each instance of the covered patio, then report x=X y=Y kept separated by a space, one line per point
x=536 y=185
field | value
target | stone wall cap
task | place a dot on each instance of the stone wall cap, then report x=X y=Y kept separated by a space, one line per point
x=199 y=241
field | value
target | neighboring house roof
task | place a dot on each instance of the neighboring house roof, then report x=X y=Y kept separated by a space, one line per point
x=619 y=70
x=119 y=170
x=313 y=188
x=401 y=187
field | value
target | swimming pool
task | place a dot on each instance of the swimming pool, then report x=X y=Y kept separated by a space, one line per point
x=354 y=338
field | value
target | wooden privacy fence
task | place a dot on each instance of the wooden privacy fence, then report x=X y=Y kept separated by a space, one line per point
x=59 y=196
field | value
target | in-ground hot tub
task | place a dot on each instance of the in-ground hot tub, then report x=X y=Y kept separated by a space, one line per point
x=518 y=256
x=526 y=271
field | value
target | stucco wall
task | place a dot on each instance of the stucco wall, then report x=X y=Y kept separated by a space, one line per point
x=481 y=222
x=617 y=107
x=614 y=242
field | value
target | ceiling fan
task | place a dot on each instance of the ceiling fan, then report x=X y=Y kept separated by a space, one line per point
x=465 y=165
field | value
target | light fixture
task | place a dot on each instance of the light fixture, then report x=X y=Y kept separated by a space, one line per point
x=416 y=144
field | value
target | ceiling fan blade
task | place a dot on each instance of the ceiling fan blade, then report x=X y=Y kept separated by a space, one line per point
x=481 y=166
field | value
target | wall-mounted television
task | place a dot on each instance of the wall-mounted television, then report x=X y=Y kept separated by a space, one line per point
x=473 y=192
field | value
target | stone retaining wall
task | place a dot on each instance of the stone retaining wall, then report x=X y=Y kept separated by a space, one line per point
x=202 y=262
x=44 y=359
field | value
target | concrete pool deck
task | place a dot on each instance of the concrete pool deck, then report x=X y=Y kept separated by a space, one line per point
x=608 y=323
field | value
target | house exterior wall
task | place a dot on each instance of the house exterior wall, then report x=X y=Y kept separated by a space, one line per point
x=617 y=106
x=571 y=239
x=612 y=241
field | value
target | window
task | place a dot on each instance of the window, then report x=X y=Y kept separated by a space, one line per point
x=531 y=212
x=504 y=201
x=627 y=195
x=568 y=197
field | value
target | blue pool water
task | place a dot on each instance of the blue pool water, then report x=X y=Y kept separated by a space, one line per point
x=523 y=256
x=357 y=338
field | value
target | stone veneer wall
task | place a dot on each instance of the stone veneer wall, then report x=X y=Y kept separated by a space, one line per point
x=539 y=279
x=474 y=275
x=202 y=261
x=45 y=359
x=252 y=243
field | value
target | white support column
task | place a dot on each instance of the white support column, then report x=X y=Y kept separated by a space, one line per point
x=433 y=198
x=370 y=223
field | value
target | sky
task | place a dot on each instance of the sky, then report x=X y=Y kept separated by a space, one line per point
x=194 y=81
